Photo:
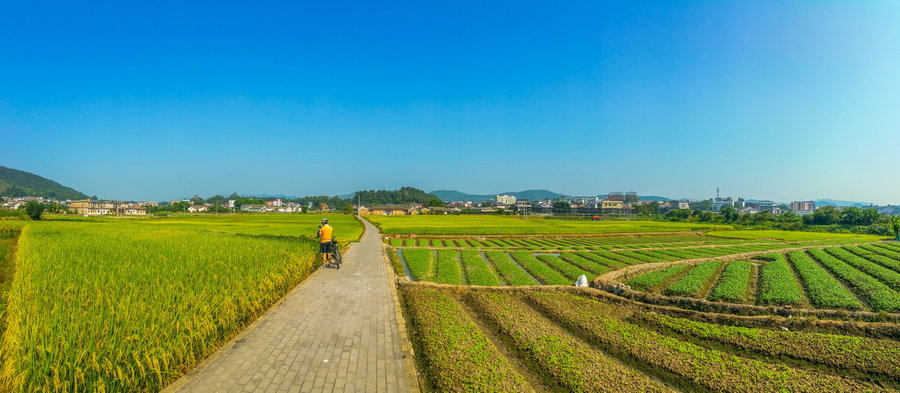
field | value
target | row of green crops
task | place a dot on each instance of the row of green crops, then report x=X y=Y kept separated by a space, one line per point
x=455 y=354
x=511 y=272
x=734 y=283
x=704 y=248
x=823 y=289
x=588 y=265
x=543 y=273
x=466 y=225
x=704 y=367
x=869 y=263
x=777 y=283
x=881 y=254
x=127 y=305
x=575 y=366
x=448 y=269
x=695 y=281
x=560 y=341
x=569 y=243
x=850 y=278
x=567 y=269
x=500 y=268
x=664 y=247
x=653 y=279
x=879 y=296
x=478 y=271
x=879 y=356
x=886 y=250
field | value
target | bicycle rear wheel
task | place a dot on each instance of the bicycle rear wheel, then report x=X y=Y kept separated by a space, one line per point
x=335 y=254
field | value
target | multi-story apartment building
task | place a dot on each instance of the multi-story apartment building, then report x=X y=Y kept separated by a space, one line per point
x=803 y=207
x=505 y=200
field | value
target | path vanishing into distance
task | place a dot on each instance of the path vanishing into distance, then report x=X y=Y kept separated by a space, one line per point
x=336 y=332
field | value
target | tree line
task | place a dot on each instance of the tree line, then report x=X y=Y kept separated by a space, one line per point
x=823 y=219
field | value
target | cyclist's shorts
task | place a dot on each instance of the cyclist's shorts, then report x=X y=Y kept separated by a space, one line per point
x=325 y=247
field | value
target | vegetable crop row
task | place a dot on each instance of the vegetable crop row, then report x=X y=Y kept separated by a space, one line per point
x=567 y=269
x=539 y=270
x=508 y=269
x=695 y=280
x=647 y=281
x=477 y=269
x=448 y=271
x=866 y=261
x=456 y=354
x=575 y=366
x=734 y=283
x=586 y=264
x=880 y=296
x=893 y=257
x=712 y=369
x=823 y=289
x=880 y=356
x=420 y=263
x=777 y=284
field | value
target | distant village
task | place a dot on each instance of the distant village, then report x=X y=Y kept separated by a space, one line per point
x=619 y=203
x=614 y=203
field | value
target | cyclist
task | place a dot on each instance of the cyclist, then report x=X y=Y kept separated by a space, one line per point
x=325 y=236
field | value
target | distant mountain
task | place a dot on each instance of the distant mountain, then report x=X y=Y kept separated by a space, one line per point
x=282 y=196
x=650 y=198
x=838 y=203
x=531 y=195
x=16 y=183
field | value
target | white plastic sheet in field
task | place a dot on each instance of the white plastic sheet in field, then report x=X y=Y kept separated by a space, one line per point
x=581 y=281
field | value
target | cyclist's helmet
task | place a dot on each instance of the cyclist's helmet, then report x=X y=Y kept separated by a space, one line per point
x=324 y=220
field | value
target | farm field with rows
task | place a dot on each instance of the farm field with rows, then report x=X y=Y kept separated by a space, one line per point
x=507 y=225
x=533 y=331
x=855 y=277
x=542 y=339
x=132 y=304
x=544 y=260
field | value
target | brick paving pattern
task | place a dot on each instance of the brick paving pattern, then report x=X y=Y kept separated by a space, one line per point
x=337 y=332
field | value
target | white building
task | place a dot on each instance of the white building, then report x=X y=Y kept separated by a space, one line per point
x=679 y=205
x=590 y=201
x=719 y=203
x=505 y=200
x=768 y=205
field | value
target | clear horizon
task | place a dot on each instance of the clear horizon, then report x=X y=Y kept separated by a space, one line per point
x=766 y=100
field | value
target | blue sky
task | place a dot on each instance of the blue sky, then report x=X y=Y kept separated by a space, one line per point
x=159 y=100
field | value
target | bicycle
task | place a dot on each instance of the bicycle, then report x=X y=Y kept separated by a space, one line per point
x=335 y=255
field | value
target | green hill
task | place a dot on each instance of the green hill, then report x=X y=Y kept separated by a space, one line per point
x=16 y=183
x=403 y=195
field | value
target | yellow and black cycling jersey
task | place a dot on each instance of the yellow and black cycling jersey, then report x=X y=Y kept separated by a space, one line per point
x=325 y=233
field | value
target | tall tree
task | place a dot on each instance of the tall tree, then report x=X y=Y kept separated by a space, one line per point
x=34 y=209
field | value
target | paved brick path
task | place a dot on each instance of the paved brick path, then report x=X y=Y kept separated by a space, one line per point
x=337 y=332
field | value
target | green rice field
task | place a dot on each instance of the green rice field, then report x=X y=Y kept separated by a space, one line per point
x=122 y=305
